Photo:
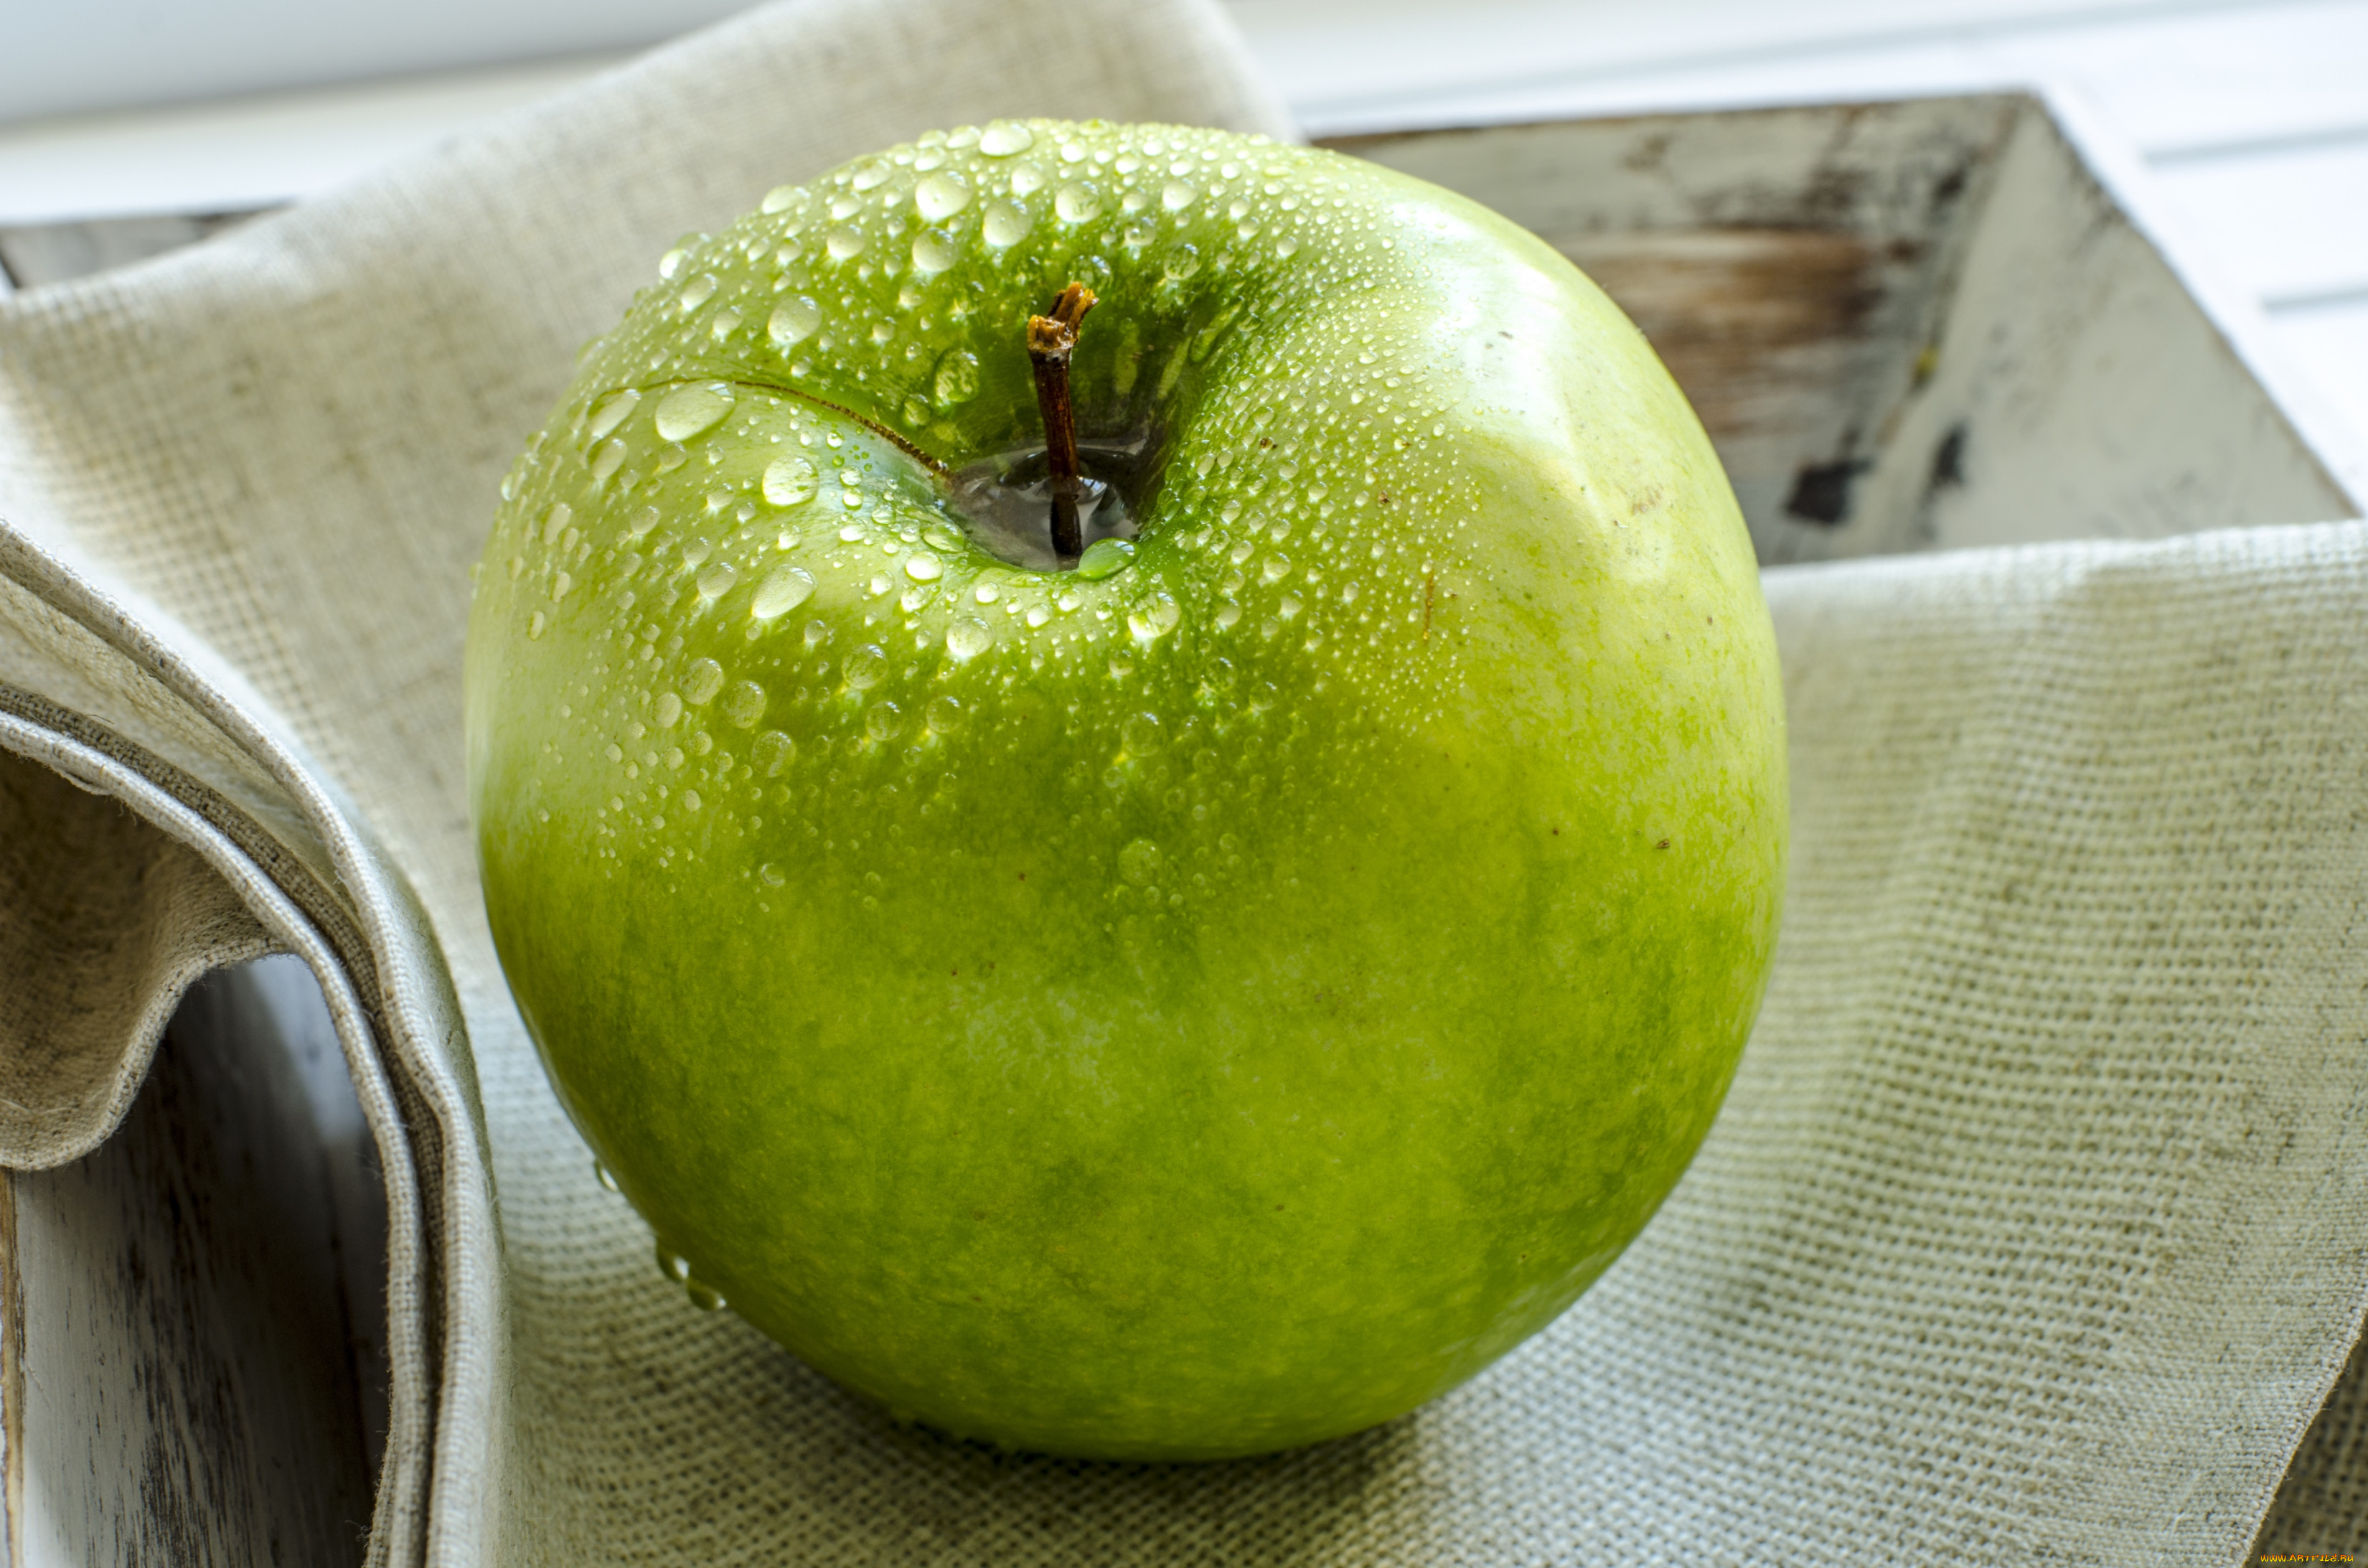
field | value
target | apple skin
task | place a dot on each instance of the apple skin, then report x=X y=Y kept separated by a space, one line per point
x=1178 y=1015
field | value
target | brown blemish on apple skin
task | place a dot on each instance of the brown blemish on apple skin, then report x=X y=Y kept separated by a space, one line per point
x=1663 y=844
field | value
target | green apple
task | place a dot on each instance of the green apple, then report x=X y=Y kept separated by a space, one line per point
x=1205 y=1001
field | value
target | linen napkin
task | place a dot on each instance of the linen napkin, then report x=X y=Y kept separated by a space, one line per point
x=2033 y=1229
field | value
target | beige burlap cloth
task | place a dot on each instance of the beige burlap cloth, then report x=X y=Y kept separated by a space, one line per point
x=2033 y=1231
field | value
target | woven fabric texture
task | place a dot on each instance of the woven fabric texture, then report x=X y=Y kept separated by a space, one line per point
x=2034 y=1226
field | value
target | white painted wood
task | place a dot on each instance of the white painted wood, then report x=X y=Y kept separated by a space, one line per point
x=188 y=1316
x=2330 y=344
x=252 y=152
x=2293 y=222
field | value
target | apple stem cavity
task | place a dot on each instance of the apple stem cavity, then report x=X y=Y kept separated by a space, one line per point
x=1049 y=339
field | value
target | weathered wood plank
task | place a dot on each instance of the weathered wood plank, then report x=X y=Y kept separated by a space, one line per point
x=184 y=1350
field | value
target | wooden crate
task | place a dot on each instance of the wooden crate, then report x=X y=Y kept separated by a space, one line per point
x=1938 y=322
x=1933 y=322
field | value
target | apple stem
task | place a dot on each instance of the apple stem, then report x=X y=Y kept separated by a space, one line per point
x=1049 y=339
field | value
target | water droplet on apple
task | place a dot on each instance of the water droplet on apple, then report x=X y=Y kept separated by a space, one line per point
x=924 y=567
x=609 y=413
x=771 y=875
x=783 y=589
x=671 y=262
x=666 y=709
x=717 y=580
x=934 y=250
x=1105 y=558
x=1077 y=203
x=745 y=704
x=1227 y=615
x=1005 y=225
x=772 y=752
x=555 y=521
x=1176 y=195
x=779 y=197
x=602 y=1175
x=534 y=625
x=845 y=244
x=956 y=381
x=687 y=411
x=817 y=633
x=701 y=679
x=704 y=1297
x=1154 y=619
x=642 y=521
x=788 y=481
x=1141 y=735
x=941 y=536
x=871 y=175
x=1003 y=138
x=941 y=194
x=697 y=291
x=884 y=720
x=606 y=460
x=1139 y=862
x=968 y=639
x=865 y=667
x=1276 y=569
x=945 y=715
x=672 y=1264
x=793 y=321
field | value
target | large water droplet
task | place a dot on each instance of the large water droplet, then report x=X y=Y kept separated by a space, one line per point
x=865 y=667
x=672 y=1264
x=846 y=243
x=945 y=715
x=1077 y=203
x=686 y=410
x=872 y=175
x=745 y=704
x=884 y=720
x=555 y=521
x=968 y=639
x=956 y=381
x=1003 y=139
x=788 y=481
x=1142 y=735
x=1105 y=558
x=608 y=461
x=609 y=413
x=779 y=197
x=1156 y=618
x=1006 y=224
x=1139 y=862
x=697 y=291
x=1175 y=196
x=924 y=568
x=783 y=589
x=642 y=521
x=934 y=250
x=772 y=752
x=941 y=196
x=601 y=1173
x=793 y=321
x=701 y=679
x=534 y=625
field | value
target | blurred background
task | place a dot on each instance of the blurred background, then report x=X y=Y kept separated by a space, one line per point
x=2251 y=117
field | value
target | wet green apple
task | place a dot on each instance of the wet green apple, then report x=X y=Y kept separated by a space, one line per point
x=1208 y=997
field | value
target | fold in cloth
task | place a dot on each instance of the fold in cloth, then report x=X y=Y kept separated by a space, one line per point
x=2032 y=1227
